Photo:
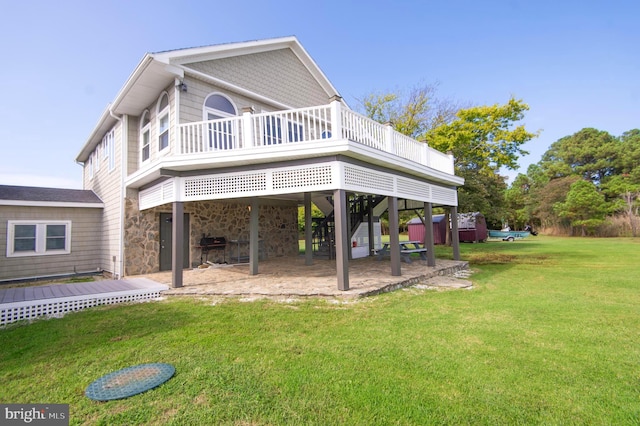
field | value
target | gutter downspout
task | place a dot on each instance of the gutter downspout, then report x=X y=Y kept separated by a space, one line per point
x=124 y=147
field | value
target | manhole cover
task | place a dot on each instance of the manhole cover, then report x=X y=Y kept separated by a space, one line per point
x=129 y=381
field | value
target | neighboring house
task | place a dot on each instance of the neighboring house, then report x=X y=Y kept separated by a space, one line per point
x=227 y=141
x=46 y=232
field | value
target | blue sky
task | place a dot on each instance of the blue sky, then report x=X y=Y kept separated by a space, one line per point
x=576 y=63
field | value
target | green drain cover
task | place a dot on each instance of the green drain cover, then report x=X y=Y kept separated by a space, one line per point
x=129 y=381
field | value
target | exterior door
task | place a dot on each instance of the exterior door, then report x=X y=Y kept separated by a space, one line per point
x=166 y=241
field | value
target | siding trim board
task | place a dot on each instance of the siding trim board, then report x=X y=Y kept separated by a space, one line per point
x=50 y=204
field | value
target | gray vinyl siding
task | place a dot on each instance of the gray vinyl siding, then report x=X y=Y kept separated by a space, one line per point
x=85 y=243
x=133 y=153
x=278 y=75
x=106 y=184
x=192 y=102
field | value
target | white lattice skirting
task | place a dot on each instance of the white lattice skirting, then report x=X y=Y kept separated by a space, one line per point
x=17 y=311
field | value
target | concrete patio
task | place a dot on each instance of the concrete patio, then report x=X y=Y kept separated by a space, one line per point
x=290 y=277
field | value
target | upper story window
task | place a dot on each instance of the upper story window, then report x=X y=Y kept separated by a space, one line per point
x=145 y=136
x=163 y=122
x=108 y=149
x=36 y=238
x=221 y=134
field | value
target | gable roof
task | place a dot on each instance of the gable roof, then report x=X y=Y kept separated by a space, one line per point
x=157 y=70
x=48 y=197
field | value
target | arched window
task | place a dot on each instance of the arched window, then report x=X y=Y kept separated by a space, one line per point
x=221 y=133
x=218 y=106
x=145 y=136
x=163 y=121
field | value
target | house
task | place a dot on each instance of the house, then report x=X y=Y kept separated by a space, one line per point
x=226 y=141
x=46 y=232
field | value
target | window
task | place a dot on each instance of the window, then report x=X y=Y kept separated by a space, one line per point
x=163 y=122
x=221 y=134
x=274 y=133
x=24 y=238
x=108 y=149
x=90 y=165
x=295 y=131
x=38 y=238
x=145 y=136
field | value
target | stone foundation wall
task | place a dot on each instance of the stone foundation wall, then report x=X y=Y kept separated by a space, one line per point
x=278 y=228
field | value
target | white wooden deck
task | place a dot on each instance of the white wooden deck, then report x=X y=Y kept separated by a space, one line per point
x=23 y=303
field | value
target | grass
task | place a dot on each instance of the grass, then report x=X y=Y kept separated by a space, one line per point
x=549 y=335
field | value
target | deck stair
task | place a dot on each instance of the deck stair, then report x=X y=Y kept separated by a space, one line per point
x=324 y=228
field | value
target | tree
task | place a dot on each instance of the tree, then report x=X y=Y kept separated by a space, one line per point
x=483 y=139
x=590 y=153
x=412 y=113
x=630 y=154
x=547 y=196
x=584 y=206
x=626 y=199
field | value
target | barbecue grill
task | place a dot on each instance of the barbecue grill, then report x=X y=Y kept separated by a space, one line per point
x=208 y=244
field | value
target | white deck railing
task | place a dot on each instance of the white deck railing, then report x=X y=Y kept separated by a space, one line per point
x=328 y=122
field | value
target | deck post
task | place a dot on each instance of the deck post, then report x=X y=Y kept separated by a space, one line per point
x=177 y=251
x=247 y=128
x=253 y=236
x=455 y=236
x=388 y=137
x=342 y=238
x=394 y=237
x=370 y=230
x=336 y=117
x=308 y=231
x=428 y=234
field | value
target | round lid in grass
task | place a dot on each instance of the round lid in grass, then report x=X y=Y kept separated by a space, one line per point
x=129 y=381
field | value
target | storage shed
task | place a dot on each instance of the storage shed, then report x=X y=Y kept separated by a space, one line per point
x=416 y=229
x=472 y=227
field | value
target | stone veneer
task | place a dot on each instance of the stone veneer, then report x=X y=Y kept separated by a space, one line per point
x=278 y=228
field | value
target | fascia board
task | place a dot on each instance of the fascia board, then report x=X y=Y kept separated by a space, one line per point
x=22 y=203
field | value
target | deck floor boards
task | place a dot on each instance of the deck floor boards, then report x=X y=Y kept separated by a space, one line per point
x=54 y=291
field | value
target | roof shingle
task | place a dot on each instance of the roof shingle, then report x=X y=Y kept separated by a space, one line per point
x=59 y=195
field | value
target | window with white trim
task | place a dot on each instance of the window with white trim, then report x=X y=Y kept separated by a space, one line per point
x=108 y=149
x=145 y=136
x=163 y=122
x=222 y=133
x=38 y=238
x=96 y=159
x=90 y=165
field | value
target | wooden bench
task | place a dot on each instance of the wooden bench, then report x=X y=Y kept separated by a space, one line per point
x=405 y=254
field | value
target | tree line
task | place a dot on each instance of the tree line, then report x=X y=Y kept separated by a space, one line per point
x=587 y=183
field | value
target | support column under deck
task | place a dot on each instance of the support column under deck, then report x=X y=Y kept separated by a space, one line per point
x=394 y=237
x=428 y=234
x=341 y=212
x=308 y=231
x=370 y=229
x=455 y=236
x=253 y=237
x=177 y=251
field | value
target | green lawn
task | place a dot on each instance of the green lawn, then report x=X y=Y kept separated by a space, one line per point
x=550 y=334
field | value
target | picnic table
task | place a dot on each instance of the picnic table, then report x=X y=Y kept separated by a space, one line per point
x=406 y=248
